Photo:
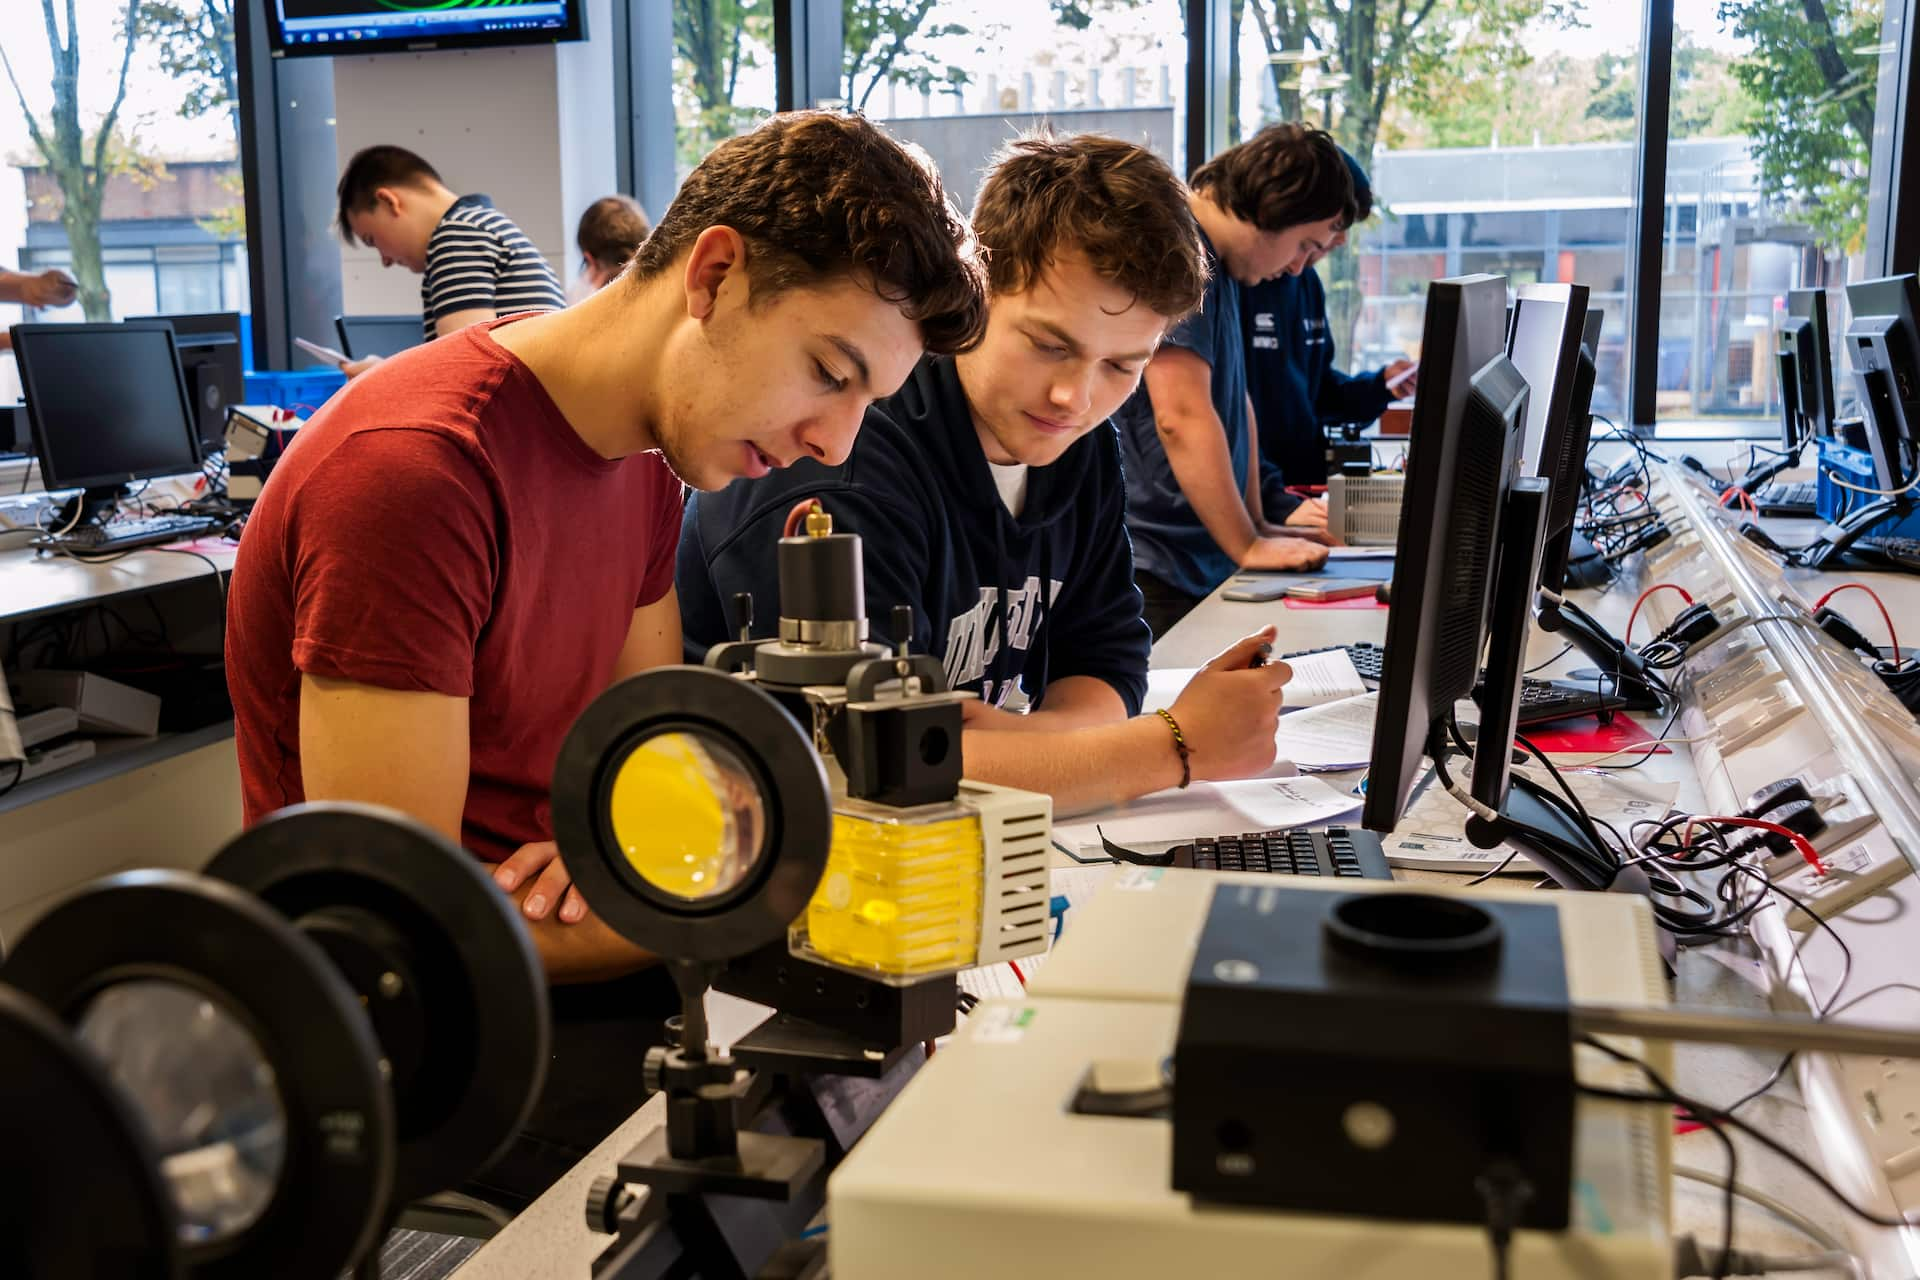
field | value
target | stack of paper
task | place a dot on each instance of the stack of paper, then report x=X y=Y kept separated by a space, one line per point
x=1208 y=809
x=1318 y=678
x=1329 y=737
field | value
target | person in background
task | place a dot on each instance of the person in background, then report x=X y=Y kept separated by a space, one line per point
x=1194 y=505
x=1296 y=391
x=49 y=288
x=610 y=230
x=990 y=498
x=475 y=264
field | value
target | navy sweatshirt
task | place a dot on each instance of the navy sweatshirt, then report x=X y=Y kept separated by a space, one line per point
x=1295 y=388
x=1170 y=541
x=1001 y=602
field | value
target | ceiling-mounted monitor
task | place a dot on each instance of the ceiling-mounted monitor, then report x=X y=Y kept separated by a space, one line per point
x=329 y=28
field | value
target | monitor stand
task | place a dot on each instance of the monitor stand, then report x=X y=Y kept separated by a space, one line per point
x=1617 y=669
x=93 y=505
x=1835 y=539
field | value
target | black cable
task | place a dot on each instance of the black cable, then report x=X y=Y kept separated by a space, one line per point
x=1713 y=1116
x=1550 y=661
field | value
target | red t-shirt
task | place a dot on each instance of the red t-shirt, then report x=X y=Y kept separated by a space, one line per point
x=438 y=526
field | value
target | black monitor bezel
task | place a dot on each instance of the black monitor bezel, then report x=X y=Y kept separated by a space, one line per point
x=341 y=324
x=1457 y=310
x=1811 y=305
x=49 y=477
x=197 y=332
x=279 y=46
x=1886 y=313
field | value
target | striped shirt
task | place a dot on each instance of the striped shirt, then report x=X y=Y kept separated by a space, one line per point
x=477 y=258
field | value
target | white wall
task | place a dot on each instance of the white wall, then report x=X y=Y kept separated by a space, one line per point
x=531 y=127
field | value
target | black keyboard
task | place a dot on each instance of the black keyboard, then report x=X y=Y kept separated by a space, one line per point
x=1796 y=499
x=1541 y=701
x=1344 y=852
x=144 y=531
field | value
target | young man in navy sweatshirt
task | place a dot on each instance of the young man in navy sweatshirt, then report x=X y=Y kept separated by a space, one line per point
x=1194 y=505
x=991 y=498
x=1290 y=375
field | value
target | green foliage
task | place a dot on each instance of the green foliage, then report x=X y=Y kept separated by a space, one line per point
x=715 y=40
x=80 y=164
x=1812 y=75
x=879 y=37
x=194 y=39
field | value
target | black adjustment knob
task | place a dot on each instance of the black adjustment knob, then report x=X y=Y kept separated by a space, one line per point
x=605 y=1199
x=653 y=1069
x=743 y=611
x=902 y=629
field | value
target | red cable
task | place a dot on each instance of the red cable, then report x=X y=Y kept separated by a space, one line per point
x=1800 y=843
x=1658 y=586
x=1016 y=973
x=1884 y=615
x=800 y=509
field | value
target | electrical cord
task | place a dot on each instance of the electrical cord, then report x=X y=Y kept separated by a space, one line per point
x=1780 y=1209
x=1713 y=1117
x=1892 y=636
x=1835 y=480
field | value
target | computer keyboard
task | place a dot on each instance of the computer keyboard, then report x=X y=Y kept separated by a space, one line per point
x=1540 y=700
x=140 y=531
x=1342 y=852
x=1899 y=553
x=1796 y=499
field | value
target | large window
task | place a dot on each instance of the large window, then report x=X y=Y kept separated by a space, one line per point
x=158 y=225
x=1770 y=131
x=958 y=78
x=723 y=73
x=1497 y=139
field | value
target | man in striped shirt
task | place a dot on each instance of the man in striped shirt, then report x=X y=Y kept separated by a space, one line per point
x=475 y=263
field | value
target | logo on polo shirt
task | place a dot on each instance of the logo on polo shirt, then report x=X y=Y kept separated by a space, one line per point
x=1316 y=330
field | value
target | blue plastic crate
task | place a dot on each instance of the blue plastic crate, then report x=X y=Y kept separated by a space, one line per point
x=302 y=390
x=1855 y=466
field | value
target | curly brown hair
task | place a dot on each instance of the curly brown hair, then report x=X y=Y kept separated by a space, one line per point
x=821 y=194
x=1114 y=201
x=610 y=230
x=1282 y=176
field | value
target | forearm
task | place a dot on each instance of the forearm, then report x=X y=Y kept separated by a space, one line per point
x=1255 y=510
x=1084 y=768
x=1197 y=451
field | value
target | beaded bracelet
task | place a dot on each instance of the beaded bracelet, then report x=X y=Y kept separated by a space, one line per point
x=1180 y=745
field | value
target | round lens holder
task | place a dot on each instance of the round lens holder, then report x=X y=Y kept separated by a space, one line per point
x=449 y=977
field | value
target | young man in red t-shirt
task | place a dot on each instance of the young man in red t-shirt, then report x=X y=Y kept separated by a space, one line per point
x=468 y=544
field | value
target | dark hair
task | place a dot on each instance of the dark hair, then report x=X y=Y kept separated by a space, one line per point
x=371 y=169
x=1113 y=201
x=820 y=194
x=611 y=229
x=1283 y=176
x=1362 y=188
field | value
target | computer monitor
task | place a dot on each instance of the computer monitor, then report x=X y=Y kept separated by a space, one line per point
x=1544 y=344
x=1547 y=346
x=1813 y=361
x=1590 y=333
x=1884 y=341
x=213 y=364
x=362 y=336
x=1461 y=456
x=108 y=406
